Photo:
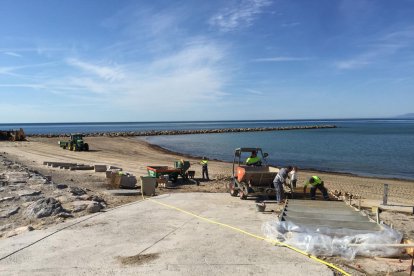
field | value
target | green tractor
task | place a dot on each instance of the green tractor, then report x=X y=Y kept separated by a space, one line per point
x=76 y=143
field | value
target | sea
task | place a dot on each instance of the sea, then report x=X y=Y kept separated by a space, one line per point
x=367 y=147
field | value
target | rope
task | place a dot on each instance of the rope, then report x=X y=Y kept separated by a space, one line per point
x=272 y=241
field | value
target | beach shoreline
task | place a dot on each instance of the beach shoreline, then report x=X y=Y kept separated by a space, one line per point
x=307 y=169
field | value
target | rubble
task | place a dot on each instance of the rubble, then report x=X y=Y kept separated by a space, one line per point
x=43 y=208
x=77 y=191
x=93 y=207
x=61 y=186
x=7 y=198
x=19 y=231
x=28 y=193
x=10 y=212
x=28 y=196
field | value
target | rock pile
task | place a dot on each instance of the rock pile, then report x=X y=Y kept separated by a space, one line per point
x=26 y=196
x=190 y=131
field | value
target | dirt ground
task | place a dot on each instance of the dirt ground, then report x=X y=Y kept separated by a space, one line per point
x=134 y=155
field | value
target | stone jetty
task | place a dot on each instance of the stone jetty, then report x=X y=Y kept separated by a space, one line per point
x=188 y=131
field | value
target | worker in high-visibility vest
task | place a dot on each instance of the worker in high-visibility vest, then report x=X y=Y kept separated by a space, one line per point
x=204 y=166
x=253 y=160
x=316 y=183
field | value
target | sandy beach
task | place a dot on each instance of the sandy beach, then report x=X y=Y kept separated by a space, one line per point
x=135 y=154
x=23 y=162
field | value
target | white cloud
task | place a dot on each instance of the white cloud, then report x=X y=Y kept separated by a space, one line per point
x=156 y=71
x=23 y=85
x=10 y=70
x=281 y=59
x=253 y=91
x=241 y=15
x=104 y=72
x=191 y=75
x=39 y=50
x=13 y=54
x=379 y=48
x=191 y=56
x=358 y=62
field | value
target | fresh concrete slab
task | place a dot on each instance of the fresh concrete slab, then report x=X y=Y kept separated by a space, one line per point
x=332 y=214
x=146 y=238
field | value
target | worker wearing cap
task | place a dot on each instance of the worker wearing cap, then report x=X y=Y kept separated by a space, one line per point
x=204 y=166
x=253 y=160
x=316 y=183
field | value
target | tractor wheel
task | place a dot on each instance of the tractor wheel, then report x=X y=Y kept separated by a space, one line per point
x=64 y=147
x=85 y=147
x=233 y=191
x=242 y=195
x=70 y=147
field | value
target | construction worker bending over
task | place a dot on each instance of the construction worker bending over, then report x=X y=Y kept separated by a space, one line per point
x=316 y=183
x=204 y=166
x=278 y=182
x=253 y=160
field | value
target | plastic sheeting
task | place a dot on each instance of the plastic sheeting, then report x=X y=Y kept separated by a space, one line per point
x=324 y=241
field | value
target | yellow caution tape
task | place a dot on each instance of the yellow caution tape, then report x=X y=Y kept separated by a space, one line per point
x=274 y=242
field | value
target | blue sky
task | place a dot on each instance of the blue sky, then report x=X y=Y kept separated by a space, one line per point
x=109 y=60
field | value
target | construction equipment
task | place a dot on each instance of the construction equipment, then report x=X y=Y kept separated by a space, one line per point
x=180 y=169
x=75 y=143
x=251 y=180
x=12 y=135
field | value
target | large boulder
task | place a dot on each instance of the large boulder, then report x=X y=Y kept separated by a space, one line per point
x=93 y=207
x=44 y=207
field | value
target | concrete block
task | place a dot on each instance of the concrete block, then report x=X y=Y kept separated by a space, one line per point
x=100 y=168
x=112 y=180
x=148 y=185
x=116 y=179
x=127 y=181
x=113 y=168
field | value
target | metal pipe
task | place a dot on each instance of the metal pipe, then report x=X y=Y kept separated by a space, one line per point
x=378 y=216
x=385 y=197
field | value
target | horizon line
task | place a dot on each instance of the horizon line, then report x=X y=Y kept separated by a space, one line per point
x=208 y=121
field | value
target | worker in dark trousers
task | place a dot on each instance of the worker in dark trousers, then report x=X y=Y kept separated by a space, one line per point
x=316 y=183
x=204 y=165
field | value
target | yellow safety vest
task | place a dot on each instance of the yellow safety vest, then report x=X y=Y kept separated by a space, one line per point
x=252 y=160
x=316 y=182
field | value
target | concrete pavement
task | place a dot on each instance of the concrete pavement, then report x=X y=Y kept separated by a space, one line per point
x=168 y=242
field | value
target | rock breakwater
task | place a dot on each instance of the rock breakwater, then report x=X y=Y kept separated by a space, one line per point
x=187 y=131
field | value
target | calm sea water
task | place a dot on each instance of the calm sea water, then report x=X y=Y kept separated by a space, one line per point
x=380 y=147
